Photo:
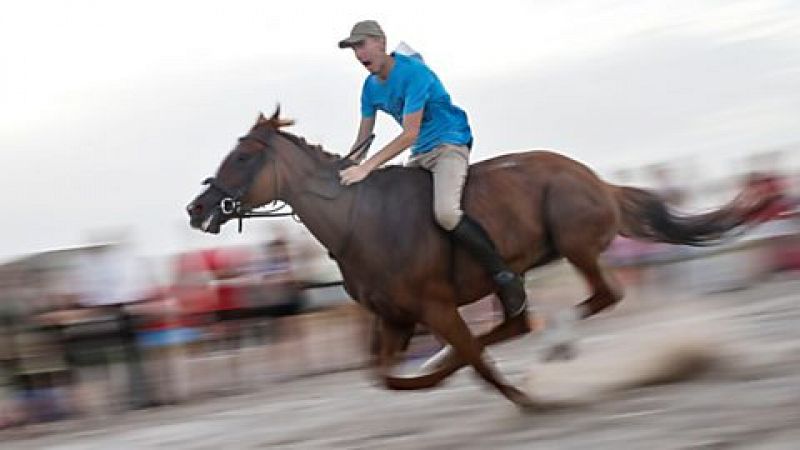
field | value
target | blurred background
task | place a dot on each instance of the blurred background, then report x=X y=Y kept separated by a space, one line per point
x=113 y=112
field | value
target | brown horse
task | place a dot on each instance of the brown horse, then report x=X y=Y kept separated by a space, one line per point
x=537 y=206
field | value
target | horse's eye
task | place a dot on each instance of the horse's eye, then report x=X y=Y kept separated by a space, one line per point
x=243 y=157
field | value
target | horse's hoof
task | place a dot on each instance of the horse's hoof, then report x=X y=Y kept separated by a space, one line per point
x=413 y=383
x=443 y=358
x=560 y=352
x=521 y=400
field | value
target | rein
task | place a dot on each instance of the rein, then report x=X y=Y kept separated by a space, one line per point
x=359 y=151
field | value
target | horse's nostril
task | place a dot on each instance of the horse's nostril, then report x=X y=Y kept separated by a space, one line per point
x=194 y=209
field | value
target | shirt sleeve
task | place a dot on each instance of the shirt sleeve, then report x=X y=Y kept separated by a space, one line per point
x=367 y=105
x=417 y=92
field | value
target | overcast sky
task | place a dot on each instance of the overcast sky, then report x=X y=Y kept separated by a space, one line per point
x=112 y=112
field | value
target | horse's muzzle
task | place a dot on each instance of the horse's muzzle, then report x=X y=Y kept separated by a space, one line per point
x=207 y=222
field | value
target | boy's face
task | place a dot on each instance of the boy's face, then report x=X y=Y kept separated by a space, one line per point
x=371 y=53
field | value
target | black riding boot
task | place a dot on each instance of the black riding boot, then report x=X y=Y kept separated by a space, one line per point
x=511 y=291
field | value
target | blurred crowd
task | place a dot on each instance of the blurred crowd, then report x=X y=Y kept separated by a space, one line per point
x=91 y=331
x=770 y=245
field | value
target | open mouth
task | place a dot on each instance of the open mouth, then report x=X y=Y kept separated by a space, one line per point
x=210 y=224
x=367 y=63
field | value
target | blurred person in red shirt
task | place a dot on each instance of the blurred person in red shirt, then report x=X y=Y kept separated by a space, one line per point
x=779 y=222
x=769 y=185
x=226 y=267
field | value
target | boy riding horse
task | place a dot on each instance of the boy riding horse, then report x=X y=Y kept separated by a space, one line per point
x=440 y=139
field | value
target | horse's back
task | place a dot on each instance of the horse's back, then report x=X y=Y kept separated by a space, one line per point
x=511 y=184
x=540 y=164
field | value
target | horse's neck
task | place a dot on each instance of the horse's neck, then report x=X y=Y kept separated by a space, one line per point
x=327 y=218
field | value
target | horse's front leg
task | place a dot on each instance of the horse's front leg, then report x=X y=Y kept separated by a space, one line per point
x=446 y=361
x=389 y=340
x=443 y=319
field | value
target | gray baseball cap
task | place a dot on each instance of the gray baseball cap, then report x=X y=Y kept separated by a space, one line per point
x=360 y=32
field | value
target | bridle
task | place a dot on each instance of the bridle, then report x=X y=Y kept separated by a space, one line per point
x=231 y=205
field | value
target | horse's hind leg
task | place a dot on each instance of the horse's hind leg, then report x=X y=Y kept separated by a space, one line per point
x=561 y=336
x=444 y=320
x=604 y=287
x=581 y=220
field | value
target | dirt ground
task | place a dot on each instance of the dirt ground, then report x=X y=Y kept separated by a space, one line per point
x=749 y=399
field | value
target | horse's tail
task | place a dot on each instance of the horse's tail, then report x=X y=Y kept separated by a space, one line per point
x=644 y=215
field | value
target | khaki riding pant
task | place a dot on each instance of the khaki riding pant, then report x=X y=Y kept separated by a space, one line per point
x=448 y=163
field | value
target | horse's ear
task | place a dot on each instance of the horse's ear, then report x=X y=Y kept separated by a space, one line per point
x=260 y=119
x=276 y=120
x=277 y=114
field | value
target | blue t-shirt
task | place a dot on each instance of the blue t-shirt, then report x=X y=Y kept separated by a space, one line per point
x=410 y=87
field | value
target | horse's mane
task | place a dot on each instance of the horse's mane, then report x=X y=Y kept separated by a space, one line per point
x=315 y=150
x=276 y=123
